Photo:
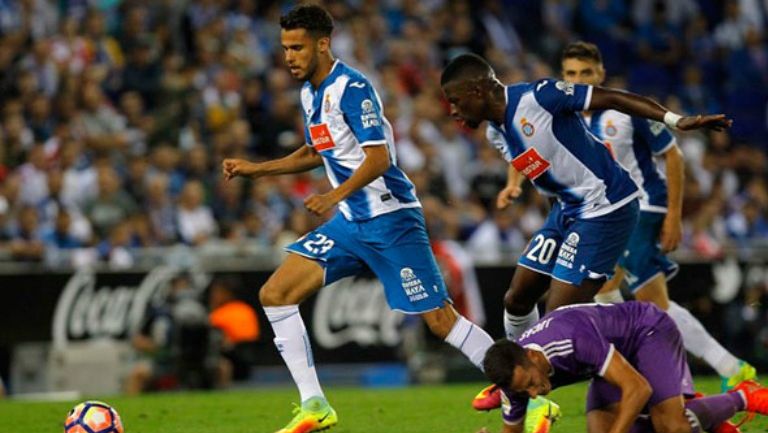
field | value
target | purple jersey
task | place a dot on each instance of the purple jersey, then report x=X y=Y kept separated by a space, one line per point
x=579 y=340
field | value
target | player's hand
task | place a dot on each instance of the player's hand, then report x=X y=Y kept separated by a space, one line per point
x=319 y=204
x=237 y=167
x=507 y=196
x=671 y=233
x=718 y=122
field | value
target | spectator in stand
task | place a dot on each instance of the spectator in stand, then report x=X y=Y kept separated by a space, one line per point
x=193 y=218
x=112 y=204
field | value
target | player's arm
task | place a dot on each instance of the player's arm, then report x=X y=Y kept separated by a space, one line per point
x=375 y=164
x=303 y=159
x=512 y=190
x=604 y=98
x=635 y=391
x=672 y=229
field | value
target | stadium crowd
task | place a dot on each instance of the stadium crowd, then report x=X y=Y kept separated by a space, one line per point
x=115 y=115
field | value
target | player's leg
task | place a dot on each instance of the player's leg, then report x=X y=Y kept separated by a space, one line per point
x=321 y=257
x=610 y=293
x=588 y=255
x=532 y=276
x=293 y=281
x=459 y=332
x=648 y=270
x=396 y=248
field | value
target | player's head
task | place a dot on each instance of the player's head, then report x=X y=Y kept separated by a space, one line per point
x=305 y=36
x=512 y=367
x=468 y=82
x=582 y=63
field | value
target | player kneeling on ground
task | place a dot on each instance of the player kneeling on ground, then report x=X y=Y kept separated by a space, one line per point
x=634 y=355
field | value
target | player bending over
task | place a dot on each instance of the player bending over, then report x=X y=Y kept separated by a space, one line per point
x=634 y=354
x=635 y=142
x=380 y=223
x=539 y=131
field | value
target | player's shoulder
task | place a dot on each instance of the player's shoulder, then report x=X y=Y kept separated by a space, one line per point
x=352 y=78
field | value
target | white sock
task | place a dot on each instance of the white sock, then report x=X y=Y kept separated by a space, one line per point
x=292 y=341
x=612 y=297
x=514 y=326
x=471 y=339
x=697 y=340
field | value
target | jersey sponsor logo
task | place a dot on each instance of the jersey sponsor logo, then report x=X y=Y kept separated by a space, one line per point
x=527 y=127
x=566 y=87
x=412 y=285
x=321 y=137
x=358 y=84
x=530 y=164
x=369 y=118
x=573 y=239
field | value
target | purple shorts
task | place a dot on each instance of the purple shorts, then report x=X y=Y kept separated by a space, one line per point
x=661 y=359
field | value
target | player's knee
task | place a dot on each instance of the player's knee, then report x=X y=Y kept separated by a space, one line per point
x=270 y=295
x=517 y=304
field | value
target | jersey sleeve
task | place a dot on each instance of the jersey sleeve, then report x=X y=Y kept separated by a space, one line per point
x=562 y=96
x=497 y=140
x=656 y=134
x=513 y=408
x=363 y=112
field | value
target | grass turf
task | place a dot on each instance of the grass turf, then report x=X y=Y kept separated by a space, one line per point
x=418 y=409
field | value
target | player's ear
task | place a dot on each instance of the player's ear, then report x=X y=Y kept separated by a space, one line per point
x=323 y=44
x=600 y=73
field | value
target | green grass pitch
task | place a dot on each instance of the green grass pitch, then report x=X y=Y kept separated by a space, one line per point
x=418 y=409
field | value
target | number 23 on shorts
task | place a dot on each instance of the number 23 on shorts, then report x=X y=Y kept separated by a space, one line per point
x=319 y=245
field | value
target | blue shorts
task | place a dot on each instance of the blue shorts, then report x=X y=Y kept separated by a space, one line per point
x=394 y=246
x=572 y=249
x=644 y=259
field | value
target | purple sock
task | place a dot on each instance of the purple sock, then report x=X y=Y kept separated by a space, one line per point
x=709 y=412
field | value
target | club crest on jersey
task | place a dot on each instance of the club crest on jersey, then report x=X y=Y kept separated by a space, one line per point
x=573 y=239
x=610 y=130
x=527 y=127
x=321 y=137
x=565 y=87
x=412 y=285
x=327 y=103
x=530 y=164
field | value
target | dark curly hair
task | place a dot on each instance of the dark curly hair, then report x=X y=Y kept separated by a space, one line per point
x=314 y=19
x=582 y=51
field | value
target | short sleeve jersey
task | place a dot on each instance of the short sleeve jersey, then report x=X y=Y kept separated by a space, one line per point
x=342 y=116
x=545 y=138
x=635 y=142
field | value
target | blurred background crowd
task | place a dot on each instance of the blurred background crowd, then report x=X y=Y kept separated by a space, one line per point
x=116 y=114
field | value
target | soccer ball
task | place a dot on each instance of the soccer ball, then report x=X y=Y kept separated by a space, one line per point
x=93 y=417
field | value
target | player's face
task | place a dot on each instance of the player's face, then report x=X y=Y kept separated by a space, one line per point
x=530 y=380
x=301 y=52
x=467 y=103
x=583 y=71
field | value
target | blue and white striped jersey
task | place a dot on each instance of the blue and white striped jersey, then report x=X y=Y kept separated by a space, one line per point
x=635 y=142
x=341 y=116
x=545 y=138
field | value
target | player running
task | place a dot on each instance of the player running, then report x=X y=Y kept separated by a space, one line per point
x=635 y=357
x=380 y=223
x=636 y=142
x=544 y=138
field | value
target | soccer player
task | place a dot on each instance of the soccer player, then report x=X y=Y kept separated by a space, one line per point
x=635 y=142
x=635 y=357
x=380 y=223
x=544 y=138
